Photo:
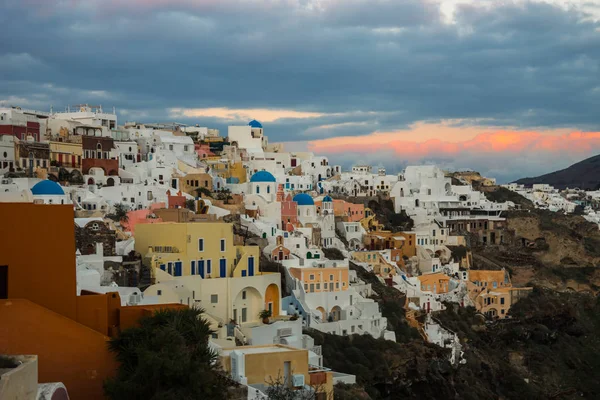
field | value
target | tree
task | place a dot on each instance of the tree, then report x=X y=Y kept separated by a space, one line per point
x=203 y=191
x=279 y=389
x=120 y=213
x=167 y=357
x=190 y=204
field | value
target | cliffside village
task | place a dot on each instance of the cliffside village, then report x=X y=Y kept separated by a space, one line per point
x=112 y=222
x=546 y=197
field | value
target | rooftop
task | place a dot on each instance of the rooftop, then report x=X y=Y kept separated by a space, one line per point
x=270 y=348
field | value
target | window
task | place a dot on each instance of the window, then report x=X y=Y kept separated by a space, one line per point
x=311 y=277
x=330 y=277
x=170 y=147
x=495 y=284
x=208 y=266
x=318 y=286
x=244 y=295
x=185 y=148
x=222 y=245
x=159 y=292
x=214 y=298
x=306 y=286
x=337 y=285
x=501 y=300
x=201 y=244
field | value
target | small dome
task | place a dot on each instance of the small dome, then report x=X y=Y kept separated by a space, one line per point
x=47 y=188
x=304 y=199
x=262 y=176
x=327 y=199
x=255 y=124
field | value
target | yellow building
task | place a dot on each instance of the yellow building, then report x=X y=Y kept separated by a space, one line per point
x=205 y=249
x=190 y=183
x=233 y=172
x=66 y=154
x=327 y=279
x=370 y=222
x=492 y=292
x=259 y=366
x=380 y=266
x=386 y=240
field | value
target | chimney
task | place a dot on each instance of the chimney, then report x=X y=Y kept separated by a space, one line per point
x=99 y=249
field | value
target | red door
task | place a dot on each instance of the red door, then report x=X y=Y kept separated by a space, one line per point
x=60 y=158
x=73 y=161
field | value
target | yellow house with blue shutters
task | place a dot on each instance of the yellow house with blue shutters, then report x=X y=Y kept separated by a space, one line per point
x=205 y=249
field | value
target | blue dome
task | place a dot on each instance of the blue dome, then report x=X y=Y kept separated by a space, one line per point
x=255 y=124
x=327 y=199
x=304 y=199
x=47 y=188
x=262 y=176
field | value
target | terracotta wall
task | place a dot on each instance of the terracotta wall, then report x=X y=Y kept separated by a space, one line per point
x=110 y=167
x=68 y=352
x=39 y=249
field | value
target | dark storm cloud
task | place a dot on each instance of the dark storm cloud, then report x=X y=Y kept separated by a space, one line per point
x=523 y=65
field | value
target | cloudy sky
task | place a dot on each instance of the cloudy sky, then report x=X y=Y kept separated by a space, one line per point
x=508 y=88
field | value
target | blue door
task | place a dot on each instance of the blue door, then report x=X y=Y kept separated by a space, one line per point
x=201 y=268
x=250 y=266
x=163 y=267
x=223 y=267
x=193 y=267
x=178 y=268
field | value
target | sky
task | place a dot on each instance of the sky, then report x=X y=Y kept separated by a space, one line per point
x=507 y=88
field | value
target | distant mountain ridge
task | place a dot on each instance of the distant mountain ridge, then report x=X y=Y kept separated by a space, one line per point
x=584 y=175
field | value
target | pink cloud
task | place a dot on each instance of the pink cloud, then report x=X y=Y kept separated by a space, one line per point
x=515 y=142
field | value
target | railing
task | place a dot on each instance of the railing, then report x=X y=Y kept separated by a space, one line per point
x=239 y=335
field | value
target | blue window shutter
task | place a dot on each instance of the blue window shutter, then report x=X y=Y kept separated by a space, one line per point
x=193 y=267
x=251 y=266
x=209 y=266
x=201 y=268
x=163 y=267
x=244 y=273
x=223 y=267
x=178 y=268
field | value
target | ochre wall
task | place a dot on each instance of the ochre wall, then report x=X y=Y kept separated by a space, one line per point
x=67 y=352
x=39 y=248
x=261 y=368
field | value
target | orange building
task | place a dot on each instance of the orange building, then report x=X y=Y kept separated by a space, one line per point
x=341 y=208
x=436 y=283
x=327 y=279
x=39 y=308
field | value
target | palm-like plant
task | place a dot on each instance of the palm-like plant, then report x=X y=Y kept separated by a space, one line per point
x=167 y=357
x=120 y=213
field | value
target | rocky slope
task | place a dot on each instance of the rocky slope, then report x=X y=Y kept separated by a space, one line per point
x=547 y=351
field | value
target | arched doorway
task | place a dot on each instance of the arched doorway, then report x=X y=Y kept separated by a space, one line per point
x=272 y=297
x=336 y=313
x=246 y=306
x=91 y=181
x=323 y=313
x=110 y=182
